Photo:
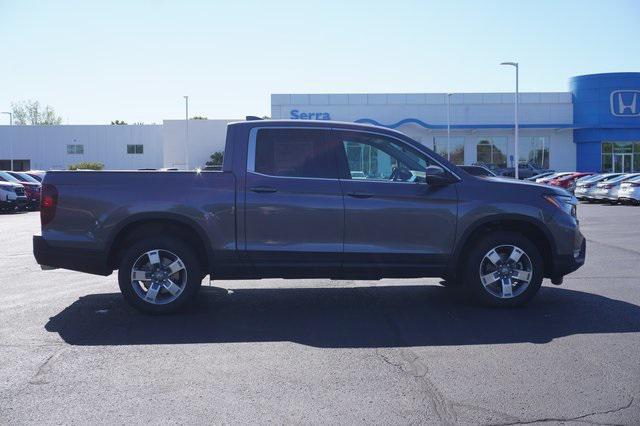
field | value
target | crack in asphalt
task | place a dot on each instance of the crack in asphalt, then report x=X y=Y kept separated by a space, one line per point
x=569 y=419
x=44 y=368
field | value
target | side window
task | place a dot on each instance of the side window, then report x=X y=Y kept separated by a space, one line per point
x=379 y=158
x=295 y=153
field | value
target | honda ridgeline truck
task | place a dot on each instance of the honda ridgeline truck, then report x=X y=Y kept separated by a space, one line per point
x=309 y=199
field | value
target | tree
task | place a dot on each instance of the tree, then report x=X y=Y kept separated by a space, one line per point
x=216 y=159
x=199 y=117
x=118 y=123
x=32 y=113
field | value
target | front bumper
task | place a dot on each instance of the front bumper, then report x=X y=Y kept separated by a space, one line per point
x=566 y=264
x=76 y=259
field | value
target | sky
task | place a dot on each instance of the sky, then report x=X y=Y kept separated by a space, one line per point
x=97 y=61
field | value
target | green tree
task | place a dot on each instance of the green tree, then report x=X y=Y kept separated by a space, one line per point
x=32 y=113
x=199 y=117
x=216 y=159
x=118 y=123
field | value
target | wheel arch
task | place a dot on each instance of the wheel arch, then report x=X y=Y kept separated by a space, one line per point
x=149 y=224
x=530 y=227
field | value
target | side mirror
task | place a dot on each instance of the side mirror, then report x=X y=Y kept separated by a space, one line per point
x=435 y=175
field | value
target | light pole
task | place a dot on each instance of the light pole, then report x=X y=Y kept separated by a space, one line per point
x=449 y=126
x=10 y=139
x=515 y=65
x=186 y=134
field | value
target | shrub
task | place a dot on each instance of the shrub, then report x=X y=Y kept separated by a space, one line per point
x=87 y=165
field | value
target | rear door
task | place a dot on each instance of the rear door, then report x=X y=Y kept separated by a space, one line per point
x=395 y=224
x=294 y=215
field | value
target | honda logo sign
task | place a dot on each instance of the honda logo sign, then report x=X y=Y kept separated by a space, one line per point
x=624 y=103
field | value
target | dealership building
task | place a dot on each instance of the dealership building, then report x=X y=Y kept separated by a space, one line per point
x=594 y=126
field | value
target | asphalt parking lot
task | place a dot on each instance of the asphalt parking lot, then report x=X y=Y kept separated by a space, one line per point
x=316 y=351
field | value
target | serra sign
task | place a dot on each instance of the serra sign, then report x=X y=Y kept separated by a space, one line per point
x=297 y=115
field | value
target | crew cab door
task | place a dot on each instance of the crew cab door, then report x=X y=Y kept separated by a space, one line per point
x=395 y=223
x=294 y=213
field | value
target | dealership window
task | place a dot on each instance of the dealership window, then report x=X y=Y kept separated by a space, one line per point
x=456 y=146
x=492 y=151
x=135 y=149
x=534 y=150
x=75 y=149
x=294 y=153
x=620 y=157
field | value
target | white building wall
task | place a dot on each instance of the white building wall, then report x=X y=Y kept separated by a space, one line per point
x=46 y=146
x=478 y=111
x=205 y=137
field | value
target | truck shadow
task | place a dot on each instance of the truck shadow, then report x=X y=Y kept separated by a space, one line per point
x=361 y=317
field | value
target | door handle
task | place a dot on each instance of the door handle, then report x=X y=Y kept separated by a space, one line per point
x=358 y=194
x=263 y=189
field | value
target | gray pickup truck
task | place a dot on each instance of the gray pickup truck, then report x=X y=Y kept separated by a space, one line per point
x=309 y=199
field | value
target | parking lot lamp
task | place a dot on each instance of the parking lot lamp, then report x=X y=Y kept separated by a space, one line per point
x=449 y=126
x=10 y=139
x=515 y=65
x=186 y=133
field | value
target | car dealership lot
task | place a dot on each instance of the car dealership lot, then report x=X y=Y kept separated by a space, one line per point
x=311 y=351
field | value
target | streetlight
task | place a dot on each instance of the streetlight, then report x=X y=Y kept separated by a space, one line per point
x=10 y=139
x=449 y=126
x=186 y=136
x=515 y=65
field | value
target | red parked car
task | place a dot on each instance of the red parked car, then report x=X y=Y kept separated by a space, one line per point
x=32 y=187
x=568 y=182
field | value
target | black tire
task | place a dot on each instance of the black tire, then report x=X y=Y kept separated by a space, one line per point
x=186 y=254
x=472 y=260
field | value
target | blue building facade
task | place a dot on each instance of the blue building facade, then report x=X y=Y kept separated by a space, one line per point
x=606 y=115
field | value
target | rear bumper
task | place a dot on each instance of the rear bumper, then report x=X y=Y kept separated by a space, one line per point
x=83 y=260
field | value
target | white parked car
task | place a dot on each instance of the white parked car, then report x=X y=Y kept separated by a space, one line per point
x=586 y=186
x=12 y=196
x=629 y=191
x=607 y=190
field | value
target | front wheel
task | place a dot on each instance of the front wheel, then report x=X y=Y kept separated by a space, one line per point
x=503 y=269
x=159 y=275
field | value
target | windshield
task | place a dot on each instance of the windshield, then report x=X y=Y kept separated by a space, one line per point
x=23 y=177
x=8 y=178
x=616 y=178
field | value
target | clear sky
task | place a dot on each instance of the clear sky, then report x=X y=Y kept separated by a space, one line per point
x=97 y=61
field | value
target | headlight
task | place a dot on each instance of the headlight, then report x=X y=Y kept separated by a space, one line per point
x=566 y=203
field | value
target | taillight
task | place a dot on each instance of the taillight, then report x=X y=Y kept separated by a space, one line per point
x=48 y=203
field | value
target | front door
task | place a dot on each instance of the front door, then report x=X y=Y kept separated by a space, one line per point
x=294 y=214
x=395 y=224
x=622 y=163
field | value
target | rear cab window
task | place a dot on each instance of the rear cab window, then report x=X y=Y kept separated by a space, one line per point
x=303 y=153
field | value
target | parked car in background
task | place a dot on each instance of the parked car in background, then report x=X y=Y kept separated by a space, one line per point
x=629 y=191
x=12 y=196
x=552 y=176
x=477 y=171
x=568 y=182
x=37 y=174
x=494 y=169
x=540 y=176
x=31 y=187
x=525 y=170
x=585 y=187
x=607 y=190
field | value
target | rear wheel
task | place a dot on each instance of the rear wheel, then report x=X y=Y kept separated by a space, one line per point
x=503 y=269
x=159 y=275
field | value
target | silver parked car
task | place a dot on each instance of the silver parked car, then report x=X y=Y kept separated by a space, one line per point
x=629 y=191
x=607 y=190
x=586 y=186
x=552 y=176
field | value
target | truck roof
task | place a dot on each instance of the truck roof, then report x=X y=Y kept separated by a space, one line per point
x=317 y=123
